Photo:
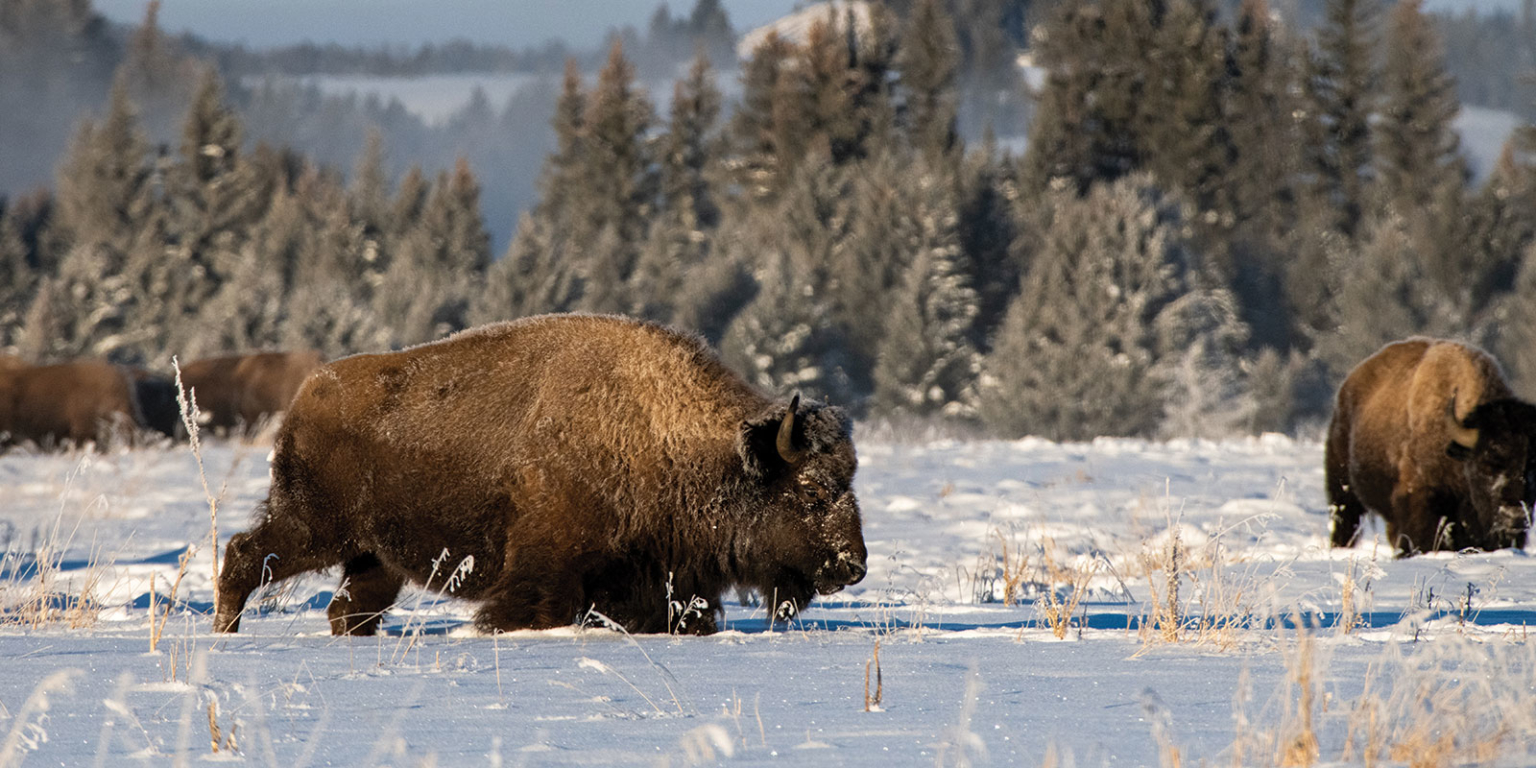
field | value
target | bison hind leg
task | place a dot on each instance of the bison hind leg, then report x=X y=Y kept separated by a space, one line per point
x=1345 y=510
x=367 y=590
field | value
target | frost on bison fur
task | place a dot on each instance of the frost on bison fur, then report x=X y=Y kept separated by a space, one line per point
x=1427 y=434
x=581 y=461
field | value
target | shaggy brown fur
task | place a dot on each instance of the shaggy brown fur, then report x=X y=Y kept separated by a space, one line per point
x=582 y=462
x=70 y=403
x=1427 y=434
x=239 y=392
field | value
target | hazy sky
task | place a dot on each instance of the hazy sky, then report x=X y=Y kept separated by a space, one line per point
x=582 y=23
x=514 y=22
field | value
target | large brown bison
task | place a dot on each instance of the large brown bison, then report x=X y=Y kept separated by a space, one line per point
x=85 y=401
x=583 y=462
x=240 y=392
x=1427 y=434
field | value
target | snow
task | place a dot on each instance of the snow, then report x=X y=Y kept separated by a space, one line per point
x=796 y=27
x=964 y=678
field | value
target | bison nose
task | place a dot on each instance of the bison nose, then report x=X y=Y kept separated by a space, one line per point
x=856 y=572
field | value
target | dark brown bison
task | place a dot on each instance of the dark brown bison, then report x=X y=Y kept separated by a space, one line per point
x=577 y=462
x=1427 y=434
x=240 y=392
x=155 y=401
x=85 y=401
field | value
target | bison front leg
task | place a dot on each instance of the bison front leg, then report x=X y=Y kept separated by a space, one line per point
x=269 y=553
x=1419 y=525
x=367 y=590
x=535 y=594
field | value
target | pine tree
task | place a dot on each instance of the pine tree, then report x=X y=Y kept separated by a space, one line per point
x=1264 y=173
x=104 y=181
x=758 y=162
x=560 y=184
x=823 y=80
x=370 y=183
x=1078 y=354
x=1419 y=166
x=18 y=280
x=105 y=201
x=884 y=233
x=325 y=309
x=620 y=185
x=790 y=248
x=248 y=312
x=680 y=234
x=213 y=202
x=783 y=341
x=1417 y=146
x=1090 y=106
x=1385 y=294
x=532 y=278
x=1185 y=138
x=990 y=237
x=1340 y=91
x=410 y=199
x=426 y=292
x=542 y=270
x=926 y=364
x=1516 y=320
x=1201 y=340
x=1501 y=223
x=156 y=77
x=929 y=62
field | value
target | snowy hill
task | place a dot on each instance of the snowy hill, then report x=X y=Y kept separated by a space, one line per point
x=796 y=27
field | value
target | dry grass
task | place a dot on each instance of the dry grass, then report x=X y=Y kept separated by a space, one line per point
x=1435 y=704
x=872 y=702
x=1195 y=594
x=1004 y=569
x=191 y=416
x=1051 y=607
x=157 y=625
x=37 y=592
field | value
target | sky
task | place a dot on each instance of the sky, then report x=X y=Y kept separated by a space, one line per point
x=582 y=23
x=261 y=23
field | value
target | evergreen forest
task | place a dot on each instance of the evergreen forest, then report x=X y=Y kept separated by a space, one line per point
x=1218 y=211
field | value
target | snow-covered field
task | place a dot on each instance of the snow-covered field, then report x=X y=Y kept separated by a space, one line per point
x=1272 y=650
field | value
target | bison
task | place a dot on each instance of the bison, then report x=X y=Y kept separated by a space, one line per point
x=1427 y=434
x=77 y=402
x=549 y=467
x=239 y=392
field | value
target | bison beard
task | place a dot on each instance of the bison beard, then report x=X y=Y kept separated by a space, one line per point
x=584 y=463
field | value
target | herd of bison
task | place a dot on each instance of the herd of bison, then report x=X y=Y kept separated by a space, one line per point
x=583 y=468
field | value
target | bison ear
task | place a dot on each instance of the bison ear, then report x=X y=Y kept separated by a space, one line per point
x=767 y=442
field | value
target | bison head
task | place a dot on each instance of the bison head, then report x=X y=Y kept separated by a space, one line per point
x=806 y=536
x=1493 y=444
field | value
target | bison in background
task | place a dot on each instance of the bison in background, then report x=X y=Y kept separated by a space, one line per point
x=85 y=401
x=1427 y=434
x=551 y=466
x=237 y=393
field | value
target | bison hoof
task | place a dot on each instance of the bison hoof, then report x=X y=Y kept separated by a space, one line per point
x=223 y=623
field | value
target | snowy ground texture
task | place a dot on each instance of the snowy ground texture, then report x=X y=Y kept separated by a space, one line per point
x=1272 y=649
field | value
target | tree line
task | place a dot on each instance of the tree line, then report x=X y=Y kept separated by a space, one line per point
x=1215 y=217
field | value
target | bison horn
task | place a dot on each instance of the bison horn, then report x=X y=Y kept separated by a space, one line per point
x=786 y=441
x=1461 y=434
